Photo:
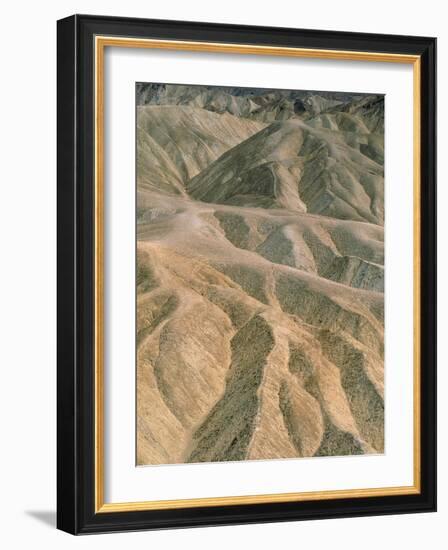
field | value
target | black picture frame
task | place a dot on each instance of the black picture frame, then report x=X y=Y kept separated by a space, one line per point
x=76 y=264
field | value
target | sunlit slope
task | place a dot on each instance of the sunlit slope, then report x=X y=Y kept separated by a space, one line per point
x=207 y=299
x=292 y=165
x=176 y=142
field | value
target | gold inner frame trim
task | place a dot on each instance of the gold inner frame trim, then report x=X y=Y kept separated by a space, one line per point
x=101 y=42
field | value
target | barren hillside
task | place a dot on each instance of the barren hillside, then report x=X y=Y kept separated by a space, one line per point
x=259 y=274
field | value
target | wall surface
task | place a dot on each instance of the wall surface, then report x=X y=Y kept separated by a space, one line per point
x=27 y=290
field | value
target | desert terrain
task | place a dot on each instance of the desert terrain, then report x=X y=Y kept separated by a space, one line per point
x=260 y=278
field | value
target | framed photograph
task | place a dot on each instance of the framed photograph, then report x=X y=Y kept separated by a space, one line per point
x=246 y=274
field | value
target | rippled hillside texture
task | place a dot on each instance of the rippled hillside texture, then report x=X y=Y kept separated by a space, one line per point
x=260 y=305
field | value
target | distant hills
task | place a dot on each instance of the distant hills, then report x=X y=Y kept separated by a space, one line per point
x=259 y=103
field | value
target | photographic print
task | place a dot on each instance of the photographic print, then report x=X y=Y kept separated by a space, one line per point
x=222 y=306
x=259 y=273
